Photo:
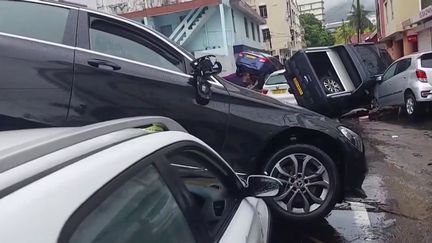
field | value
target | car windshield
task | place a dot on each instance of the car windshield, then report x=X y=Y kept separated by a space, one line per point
x=276 y=79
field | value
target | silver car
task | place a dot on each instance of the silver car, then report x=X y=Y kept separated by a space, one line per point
x=277 y=87
x=407 y=82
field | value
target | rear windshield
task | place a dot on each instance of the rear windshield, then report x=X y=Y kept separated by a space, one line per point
x=277 y=79
x=426 y=60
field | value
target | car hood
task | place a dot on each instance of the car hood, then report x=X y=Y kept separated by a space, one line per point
x=293 y=115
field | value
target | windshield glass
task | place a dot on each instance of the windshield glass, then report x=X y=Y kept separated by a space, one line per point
x=277 y=79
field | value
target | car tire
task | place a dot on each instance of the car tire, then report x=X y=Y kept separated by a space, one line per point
x=374 y=104
x=331 y=85
x=313 y=193
x=411 y=107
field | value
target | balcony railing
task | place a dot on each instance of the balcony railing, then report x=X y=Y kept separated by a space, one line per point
x=127 y=6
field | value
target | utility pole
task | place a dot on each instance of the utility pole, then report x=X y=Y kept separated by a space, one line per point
x=359 y=21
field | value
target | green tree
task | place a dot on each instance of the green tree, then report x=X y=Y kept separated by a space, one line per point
x=363 y=22
x=344 y=33
x=315 y=34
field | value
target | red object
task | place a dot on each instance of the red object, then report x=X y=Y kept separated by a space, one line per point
x=263 y=59
x=421 y=75
x=412 y=38
x=240 y=54
x=264 y=91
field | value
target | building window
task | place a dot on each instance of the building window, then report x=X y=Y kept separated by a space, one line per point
x=253 y=31
x=246 y=27
x=263 y=11
x=391 y=7
x=266 y=34
x=233 y=20
x=258 y=33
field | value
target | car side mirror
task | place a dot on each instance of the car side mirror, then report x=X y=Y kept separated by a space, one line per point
x=203 y=68
x=261 y=186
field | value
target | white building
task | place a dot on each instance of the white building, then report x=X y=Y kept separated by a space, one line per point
x=315 y=7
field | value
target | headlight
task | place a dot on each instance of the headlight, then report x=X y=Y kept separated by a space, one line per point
x=352 y=137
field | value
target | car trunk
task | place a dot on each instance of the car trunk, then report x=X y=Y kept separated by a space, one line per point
x=334 y=80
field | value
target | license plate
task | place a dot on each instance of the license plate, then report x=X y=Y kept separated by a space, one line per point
x=251 y=57
x=279 y=91
x=297 y=85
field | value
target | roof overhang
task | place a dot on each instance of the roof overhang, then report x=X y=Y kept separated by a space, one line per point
x=423 y=16
x=171 y=8
x=247 y=10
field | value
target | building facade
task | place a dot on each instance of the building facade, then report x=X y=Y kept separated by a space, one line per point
x=392 y=14
x=315 y=7
x=282 y=33
x=204 y=27
x=422 y=24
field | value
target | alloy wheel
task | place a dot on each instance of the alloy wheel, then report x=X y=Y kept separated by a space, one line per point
x=306 y=183
x=410 y=105
x=331 y=85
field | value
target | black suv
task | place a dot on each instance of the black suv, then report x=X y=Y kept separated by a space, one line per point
x=63 y=65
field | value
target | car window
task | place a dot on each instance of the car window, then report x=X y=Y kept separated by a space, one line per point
x=276 y=79
x=403 y=65
x=114 y=39
x=32 y=20
x=390 y=71
x=426 y=60
x=212 y=189
x=374 y=58
x=141 y=210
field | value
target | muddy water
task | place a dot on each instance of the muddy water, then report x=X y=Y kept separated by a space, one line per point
x=399 y=155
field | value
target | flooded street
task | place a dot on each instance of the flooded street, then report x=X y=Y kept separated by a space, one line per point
x=399 y=188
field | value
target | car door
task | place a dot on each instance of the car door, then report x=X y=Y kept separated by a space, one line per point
x=124 y=70
x=400 y=82
x=214 y=188
x=37 y=43
x=384 y=88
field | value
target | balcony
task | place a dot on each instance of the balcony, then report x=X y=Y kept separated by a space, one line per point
x=147 y=8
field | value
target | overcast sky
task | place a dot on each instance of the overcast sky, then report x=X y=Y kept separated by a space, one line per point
x=330 y=3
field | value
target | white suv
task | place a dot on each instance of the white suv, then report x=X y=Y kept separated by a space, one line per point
x=120 y=181
x=407 y=82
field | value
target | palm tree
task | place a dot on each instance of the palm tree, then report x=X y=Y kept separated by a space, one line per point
x=364 y=22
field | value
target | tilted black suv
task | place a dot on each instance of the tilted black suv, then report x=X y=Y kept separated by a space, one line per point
x=62 y=65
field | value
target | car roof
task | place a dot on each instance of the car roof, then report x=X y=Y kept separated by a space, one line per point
x=277 y=72
x=414 y=55
x=32 y=144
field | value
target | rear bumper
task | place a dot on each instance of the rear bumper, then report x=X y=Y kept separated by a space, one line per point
x=423 y=92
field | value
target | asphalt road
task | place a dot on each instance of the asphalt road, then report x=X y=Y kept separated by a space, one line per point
x=399 y=188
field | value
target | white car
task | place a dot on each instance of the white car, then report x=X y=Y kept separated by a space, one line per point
x=407 y=82
x=277 y=87
x=117 y=181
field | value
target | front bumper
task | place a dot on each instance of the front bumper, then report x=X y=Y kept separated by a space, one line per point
x=355 y=170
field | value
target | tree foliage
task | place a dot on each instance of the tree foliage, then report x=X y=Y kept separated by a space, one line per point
x=315 y=34
x=364 y=22
x=343 y=34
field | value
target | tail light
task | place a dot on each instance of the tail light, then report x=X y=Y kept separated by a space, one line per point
x=263 y=59
x=421 y=75
x=264 y=91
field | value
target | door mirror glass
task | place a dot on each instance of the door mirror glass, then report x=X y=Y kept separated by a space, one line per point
x=262 y=186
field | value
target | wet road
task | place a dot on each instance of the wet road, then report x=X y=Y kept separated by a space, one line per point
x=399 y=188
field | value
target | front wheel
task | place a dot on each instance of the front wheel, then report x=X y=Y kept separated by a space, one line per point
x=311 y=183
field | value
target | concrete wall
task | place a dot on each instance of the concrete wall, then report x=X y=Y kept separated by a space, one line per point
x=402 y=10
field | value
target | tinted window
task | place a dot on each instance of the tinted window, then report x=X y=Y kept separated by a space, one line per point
x=403 y=65
x=32 y=20
x=141 y=210
x=115 y=40
x=426 y=60
x=390 y=72
x=374 y=58
x=277 y=79
x=211 y=188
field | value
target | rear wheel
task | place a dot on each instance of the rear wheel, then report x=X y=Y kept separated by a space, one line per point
x=412 y=108
x=311 y=183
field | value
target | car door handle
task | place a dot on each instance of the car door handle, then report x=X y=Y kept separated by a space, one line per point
x=103 y=64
